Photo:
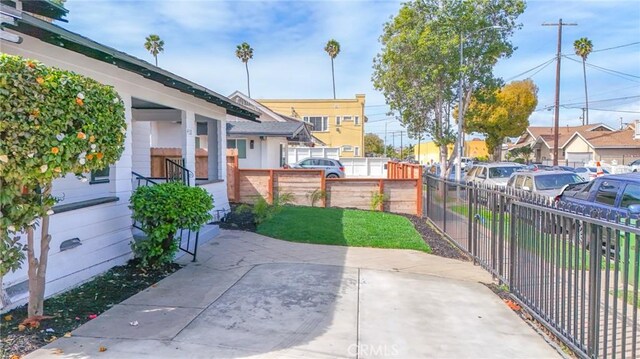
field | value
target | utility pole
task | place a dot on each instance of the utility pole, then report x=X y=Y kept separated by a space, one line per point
x=401 y=146
x=556 y=122
x=393 y=140
x=385 y=138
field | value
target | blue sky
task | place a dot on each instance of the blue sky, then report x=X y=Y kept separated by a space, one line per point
x=288 y=38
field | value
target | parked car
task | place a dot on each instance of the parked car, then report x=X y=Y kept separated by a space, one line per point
x=635 y=165
x=493 y=174
x=546 y=183
x=332 y=168
x=618 y=193
x=537 y=167
x=588 y=173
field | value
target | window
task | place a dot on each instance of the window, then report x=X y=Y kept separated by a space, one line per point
x=240 y=145
x=512 y=181
x=582 y=191
x=320 y=123
x=347 y=118
x=580 y=170
x=519 y=181
x=557 y=181
x=347 y=148
x=481 y=172
x=307 y=163
x=356 y=120
x=356 y=151
x=607 y=192
x=527 y=185
x=337 y=120
x=100 y=176
x=502 y=172
x=631 y=195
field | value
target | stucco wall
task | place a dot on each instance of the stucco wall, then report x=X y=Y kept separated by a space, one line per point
x=347 y=133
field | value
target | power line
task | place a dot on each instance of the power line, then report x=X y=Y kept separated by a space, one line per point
x=531 y=69
x=617 y=47
x=605 y=110
x=608 y=71
x=594 y=101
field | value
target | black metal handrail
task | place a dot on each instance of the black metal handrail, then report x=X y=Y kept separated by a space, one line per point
x=176 y=172
x=138 y=177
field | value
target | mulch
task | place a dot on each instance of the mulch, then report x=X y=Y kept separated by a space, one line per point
x=440 y=246
x=76 y=307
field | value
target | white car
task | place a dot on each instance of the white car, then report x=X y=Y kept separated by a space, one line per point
x=635 y=166
x=493 y=174
x=588 y=173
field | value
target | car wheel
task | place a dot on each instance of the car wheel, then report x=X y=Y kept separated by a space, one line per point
x=332 y=175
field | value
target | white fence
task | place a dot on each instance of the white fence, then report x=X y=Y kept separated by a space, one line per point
x=296 y=154
x=372 y=167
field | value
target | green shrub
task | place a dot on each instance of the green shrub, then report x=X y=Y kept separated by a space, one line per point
x=519 y=160
x=377 y=200
x=162 y=210
x=316 y=195
x=263 y=211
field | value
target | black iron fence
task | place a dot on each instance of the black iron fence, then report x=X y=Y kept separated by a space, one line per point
x=576 y=273
x=175 y=171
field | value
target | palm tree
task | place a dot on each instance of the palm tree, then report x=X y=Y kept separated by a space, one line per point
x=333 y=49
x=244 y=52
x=154 y=45
x=583 y=48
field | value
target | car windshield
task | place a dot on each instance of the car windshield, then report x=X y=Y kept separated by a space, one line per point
x=502 y=172
x=556 y=181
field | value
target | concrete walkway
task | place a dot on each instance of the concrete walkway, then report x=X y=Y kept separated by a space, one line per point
x=251 y=296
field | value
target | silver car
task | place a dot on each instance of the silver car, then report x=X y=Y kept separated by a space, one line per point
x=332 y=168
x=546 y=183
x=492 y=174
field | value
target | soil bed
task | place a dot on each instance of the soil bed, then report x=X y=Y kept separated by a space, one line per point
x=75 y=307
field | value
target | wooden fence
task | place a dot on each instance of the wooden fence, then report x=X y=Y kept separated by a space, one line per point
x=248 y=185
x=159 y=155
x=397 y=170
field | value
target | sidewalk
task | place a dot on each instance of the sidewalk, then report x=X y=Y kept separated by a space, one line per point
x=253 y=296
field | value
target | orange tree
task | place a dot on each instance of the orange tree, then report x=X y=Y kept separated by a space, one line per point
x=54 y=122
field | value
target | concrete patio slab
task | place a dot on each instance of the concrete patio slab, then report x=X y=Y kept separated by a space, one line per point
x=279 y=306
x=251 y=296
x=457 y=319
x=190 y=287
x=154 y=322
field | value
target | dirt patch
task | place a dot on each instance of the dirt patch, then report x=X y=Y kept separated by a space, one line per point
x=239 y=219
x=76 y=307
x=440 y=246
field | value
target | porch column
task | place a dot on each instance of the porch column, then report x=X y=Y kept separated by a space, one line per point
x=189 y=141
x=122 y=168
x=213 y=151
x=222 y=148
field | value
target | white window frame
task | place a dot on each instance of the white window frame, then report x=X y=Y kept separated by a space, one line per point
x=347 y=118
x=325 y=122
x=346 y=148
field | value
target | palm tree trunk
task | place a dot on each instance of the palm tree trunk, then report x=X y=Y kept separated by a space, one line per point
x=156 y=57
x=246 y=65
x=586 y=97
x=333 y=78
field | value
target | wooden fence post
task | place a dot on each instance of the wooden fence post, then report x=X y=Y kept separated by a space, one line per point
x=270 y=192
x=419 y=190
x=381 y=185
x=323 y=189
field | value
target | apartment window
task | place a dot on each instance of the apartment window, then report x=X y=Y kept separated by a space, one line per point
x=240 y=145
x=337 y=120
x=347 y=118
x=356 y=151
x=347 y=148
x=320 y=123
x=356 y=120
x=100 y=176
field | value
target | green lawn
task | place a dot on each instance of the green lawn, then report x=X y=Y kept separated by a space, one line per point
x=343 y=227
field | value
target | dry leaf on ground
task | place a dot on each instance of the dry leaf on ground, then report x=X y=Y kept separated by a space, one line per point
x=8 y=317
x=102 y=349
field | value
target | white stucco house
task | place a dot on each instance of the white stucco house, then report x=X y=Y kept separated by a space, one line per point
x=92 y=228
